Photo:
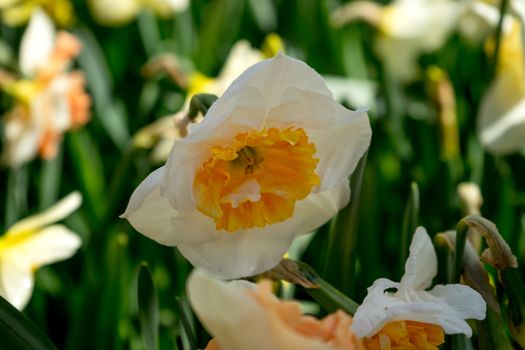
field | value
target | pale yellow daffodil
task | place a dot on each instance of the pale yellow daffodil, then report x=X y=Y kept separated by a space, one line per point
x=49 y=99
x=19 y=12
x=121 y=12
x=31 y=243
x=241 y=315
x=411 y=315
x=407 y=29
x=501 y=117
x=270 y=161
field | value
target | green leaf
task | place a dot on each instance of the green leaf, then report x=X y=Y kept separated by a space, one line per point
x=148 y=308
x=109 y=113
x=50 y=181
x=410 y=219
x=87 y=163
x=340 y=266
x=19 y=332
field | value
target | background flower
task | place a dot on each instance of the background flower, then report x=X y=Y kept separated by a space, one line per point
x=445 y=305
x=31 y=243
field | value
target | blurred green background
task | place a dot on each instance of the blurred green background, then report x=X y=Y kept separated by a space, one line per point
x=89 y=301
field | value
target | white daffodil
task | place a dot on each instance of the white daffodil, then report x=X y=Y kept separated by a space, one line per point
x=241 y=315
x=444 y=308
x=49 y=99
x=120 y=12
x=407 y=29
x=31 y=243
x=270 y=161
x=501 y=118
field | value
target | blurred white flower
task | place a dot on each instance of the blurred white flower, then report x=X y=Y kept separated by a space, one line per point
x=120 y=12
x=31 y=243
x=270 y=161
x=501 y=118
x=241 y=315
x=50 y=100
x=407 y=29
x=445 y=306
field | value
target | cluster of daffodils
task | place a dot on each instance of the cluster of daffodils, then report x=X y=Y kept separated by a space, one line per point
x=241 y=315
x=270 y=161
x=31 y=243
x=49 y=99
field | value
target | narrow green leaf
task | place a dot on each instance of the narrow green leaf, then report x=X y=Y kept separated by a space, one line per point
x=19 y=332
x=109 y=113
x=87 y=163
x=410 y=219
x=188 y=333
x=50 y=181
x=148 y=308
x=340 y=266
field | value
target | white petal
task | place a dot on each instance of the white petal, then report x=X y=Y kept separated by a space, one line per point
x=501 y=119
x=273 y=77
x=259 y=249
x=22 y=136
x=57 y=212
x=16 y=281
x=52 y=244
x=148 y=212
x=372 y=314
x=421 y=265
x=152 y=215
x=465 y=302
x=37 y=43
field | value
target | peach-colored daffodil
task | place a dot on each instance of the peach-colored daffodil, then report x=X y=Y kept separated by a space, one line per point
x=412 y=315
x=31 y=243
x=270 y=161
x=240 y=315
x=49 y=100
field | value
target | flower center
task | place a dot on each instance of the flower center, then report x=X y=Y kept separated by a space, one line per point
x=406 y=335
x=257 y=179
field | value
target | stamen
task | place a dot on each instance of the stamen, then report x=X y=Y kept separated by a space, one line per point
x=249 y=158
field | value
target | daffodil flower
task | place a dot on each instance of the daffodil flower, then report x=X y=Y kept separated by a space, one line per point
x=407 y=29
x=49 y=99
x=270 y=161
x=411 y=313
x=120 y=12
x=31 y=243
x=241 y=315
x=501 y=118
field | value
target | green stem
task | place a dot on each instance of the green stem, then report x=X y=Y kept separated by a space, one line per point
x=461 y=236
x=410 y=219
